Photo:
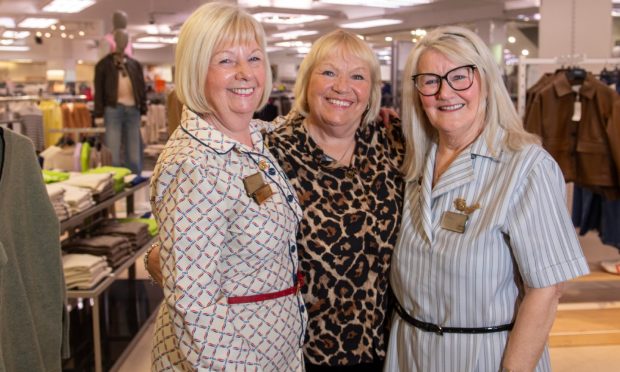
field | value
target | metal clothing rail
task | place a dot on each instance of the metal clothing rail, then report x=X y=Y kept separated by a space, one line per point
x=575 y=59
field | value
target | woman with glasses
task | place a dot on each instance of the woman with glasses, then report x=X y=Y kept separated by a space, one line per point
x=486 y=240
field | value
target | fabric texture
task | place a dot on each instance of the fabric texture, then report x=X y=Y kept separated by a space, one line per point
x=32 y=290
x=217 y=242
x=521 y=233
x=347 y=236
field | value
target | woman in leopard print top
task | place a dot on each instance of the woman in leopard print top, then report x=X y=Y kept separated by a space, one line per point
x=345 y=168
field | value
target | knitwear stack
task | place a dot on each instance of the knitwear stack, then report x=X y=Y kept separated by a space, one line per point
x=116 y=249
x=84 y=271
x=136 y=232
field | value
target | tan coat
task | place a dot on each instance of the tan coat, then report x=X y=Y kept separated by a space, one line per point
x=587 y=150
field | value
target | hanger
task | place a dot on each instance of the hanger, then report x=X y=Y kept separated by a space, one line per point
x=576 y=75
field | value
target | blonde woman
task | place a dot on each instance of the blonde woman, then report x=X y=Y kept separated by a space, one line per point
x=228 y=216
x=486 y=241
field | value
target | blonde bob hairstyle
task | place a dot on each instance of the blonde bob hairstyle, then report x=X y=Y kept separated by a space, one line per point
x=211 y=26
x=339 y=43
x=462 y=47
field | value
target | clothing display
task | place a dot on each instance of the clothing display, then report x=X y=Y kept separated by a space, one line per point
x=585 y=142
x=116 y=249
x=355 y=245
x=122 y=121
x=32 y=289
x=137 y=233
x=84 y=271
x=217 y=242
x=521 y=233
x=56 y=194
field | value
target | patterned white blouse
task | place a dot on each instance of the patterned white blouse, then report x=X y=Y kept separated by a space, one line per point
x=217 y=242
x=521 y=233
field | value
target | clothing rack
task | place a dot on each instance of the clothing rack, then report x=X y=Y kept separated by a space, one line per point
x=568 y=60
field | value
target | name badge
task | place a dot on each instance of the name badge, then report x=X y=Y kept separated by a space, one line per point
x=454 y=221
x=256 y=188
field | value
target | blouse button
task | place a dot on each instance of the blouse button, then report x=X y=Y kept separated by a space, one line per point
x=293 y=248
x=290 y=198
x=272 y=171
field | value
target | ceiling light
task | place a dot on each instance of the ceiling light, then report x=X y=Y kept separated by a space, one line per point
x=62 y=27
x=79 y=61
x=14 y=48
x=294 y=34
x=147 y=45
x=53 y=27
x=158 y=29
x=293 y=44
x=37 y=22
x=287 y=18
x=38 y=34
x=71 y=36
x=63 y=35
x=512 y=39
x=536 y=16
x=372 y=23
x=15 y=34
x=48 y=35
x=378 y=3
x=6 y=41
x=158 y=39
x=7 y=22
x=67 y=6
x=525 y=52
x=361 y=37
x=388 y=38
x=81 y=33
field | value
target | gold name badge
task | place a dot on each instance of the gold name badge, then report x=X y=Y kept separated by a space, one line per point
x=454 y=221
x=256 y=188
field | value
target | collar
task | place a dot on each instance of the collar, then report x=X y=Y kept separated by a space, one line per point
x=206 y=134
x=563 y=87
x=482 y=147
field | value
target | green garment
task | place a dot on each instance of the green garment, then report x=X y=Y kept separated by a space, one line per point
x=85 y=156
x=50 y=176
x=32 y=288
x=119 y=175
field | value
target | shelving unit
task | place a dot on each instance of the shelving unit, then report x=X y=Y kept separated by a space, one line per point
x=89 y=218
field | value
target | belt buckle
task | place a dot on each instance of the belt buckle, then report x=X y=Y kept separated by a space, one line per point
x=438 y=330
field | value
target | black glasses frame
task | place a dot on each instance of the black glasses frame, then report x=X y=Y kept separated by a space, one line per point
x=441 y=78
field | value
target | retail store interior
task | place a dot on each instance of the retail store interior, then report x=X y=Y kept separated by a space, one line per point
x=48 y=53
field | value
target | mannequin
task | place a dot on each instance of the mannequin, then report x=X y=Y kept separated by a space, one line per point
x=119 y=20
x=120 y=98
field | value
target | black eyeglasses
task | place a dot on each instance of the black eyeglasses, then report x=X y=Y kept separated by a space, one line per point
x=460 y=78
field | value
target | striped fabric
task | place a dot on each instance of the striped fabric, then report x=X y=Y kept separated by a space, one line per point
x=217 y=242
x=522 y=229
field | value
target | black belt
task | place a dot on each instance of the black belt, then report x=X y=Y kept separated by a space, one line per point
x=429 y=327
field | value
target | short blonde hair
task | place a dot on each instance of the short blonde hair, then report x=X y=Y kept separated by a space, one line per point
x=461 y=46
x=339 y=41
x=208 y=27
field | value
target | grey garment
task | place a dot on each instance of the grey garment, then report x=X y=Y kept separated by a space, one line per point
x=520 y=234
x=33 y=129
x=32 y=288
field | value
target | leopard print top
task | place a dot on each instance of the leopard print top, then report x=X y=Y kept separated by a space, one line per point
x=346 y=239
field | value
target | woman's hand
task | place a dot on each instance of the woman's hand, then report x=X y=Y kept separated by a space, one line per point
x=385 y=113
x=151 y=264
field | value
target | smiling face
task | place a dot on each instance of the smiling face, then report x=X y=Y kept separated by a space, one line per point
x=454 y=114
x=339 y=90
x=235 y=83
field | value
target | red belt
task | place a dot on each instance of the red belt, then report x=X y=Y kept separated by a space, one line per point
x=269 y=296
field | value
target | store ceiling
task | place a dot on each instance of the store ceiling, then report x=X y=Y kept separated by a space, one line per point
x=96 y=20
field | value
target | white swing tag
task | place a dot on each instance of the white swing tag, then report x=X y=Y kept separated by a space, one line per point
x=576 y=111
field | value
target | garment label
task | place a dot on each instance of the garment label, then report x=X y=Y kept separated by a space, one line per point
x=454 y=221
x=576 y=111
